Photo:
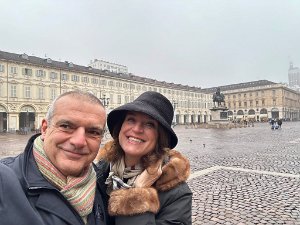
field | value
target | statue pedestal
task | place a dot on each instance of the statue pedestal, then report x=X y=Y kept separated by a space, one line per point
x=219 y=117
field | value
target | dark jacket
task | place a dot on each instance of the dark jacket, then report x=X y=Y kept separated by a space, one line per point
x=44 y=198
x=138 y=205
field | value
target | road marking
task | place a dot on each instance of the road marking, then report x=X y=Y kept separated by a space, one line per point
x=214 y=168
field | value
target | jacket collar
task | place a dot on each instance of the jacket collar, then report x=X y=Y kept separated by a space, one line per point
x=174 y=172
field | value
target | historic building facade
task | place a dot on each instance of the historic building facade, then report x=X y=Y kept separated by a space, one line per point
x=260 y=101
x=112 y=67
x=28 y=84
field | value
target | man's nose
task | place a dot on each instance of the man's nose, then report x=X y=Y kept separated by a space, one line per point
x=78 y=137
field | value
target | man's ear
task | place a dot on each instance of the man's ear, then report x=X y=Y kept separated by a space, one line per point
x=44 y=128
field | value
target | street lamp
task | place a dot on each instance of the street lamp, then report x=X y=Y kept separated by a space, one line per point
x=105 y=101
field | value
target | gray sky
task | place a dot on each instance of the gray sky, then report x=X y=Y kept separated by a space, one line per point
x=194 y=42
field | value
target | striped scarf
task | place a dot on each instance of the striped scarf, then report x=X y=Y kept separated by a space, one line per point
x=79 y=191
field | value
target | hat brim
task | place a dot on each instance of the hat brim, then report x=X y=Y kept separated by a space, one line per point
x=117 y=116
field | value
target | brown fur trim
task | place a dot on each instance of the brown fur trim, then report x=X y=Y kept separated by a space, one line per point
x=107 y=152
x=176 y=171
x=133 y=201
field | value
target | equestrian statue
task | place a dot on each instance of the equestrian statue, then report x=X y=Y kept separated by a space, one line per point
x=219 y=98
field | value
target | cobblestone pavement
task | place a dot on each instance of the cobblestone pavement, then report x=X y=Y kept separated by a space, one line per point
x=239 y=176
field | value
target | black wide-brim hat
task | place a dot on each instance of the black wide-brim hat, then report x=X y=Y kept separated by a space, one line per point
x=151 y=103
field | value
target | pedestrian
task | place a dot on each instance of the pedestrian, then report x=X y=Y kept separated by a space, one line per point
x=56 y=171
x=279 y=122
x=145 y=177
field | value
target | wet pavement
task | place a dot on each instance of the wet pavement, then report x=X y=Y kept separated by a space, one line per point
x=238 y=176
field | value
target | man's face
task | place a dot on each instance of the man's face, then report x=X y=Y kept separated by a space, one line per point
x=73 y=137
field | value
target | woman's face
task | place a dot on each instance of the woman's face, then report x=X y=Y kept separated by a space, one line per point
x=138 y=136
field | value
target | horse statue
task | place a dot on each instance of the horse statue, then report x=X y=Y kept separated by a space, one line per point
x=219 y=98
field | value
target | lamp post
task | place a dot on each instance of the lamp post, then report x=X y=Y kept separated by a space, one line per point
x=105 y=101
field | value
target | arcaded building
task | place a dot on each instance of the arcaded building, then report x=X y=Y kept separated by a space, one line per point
x=260 y=100
x=28 y=84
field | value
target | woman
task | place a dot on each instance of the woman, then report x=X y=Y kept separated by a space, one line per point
x=144 y=177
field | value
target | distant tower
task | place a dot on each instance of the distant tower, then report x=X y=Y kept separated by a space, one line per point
x=294 y=76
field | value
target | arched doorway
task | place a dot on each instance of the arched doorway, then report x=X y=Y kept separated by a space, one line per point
x=27 y=118
x=240 y=115
x=251 y=114
x=3 y=119
x=275 y=113
x=230 y=115
x=263 y=115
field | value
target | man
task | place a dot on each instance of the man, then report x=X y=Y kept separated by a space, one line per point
x=56 y=170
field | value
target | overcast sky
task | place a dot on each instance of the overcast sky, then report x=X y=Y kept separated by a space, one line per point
x=201 y=43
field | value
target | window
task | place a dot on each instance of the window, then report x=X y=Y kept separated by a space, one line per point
x=274 y=102
x=27 y=91
x=256 y=103
x=85 y=80
x=119 y=99
x=40 y=73
x=13 y=91
x=27 y=72
x=64 y=77
x=13 y=70
x=52 y=93
x=263 y=102
x=240 y=104
x=126 y=99
x=95 y=80
x=245 y=95
x=245 y=104
x=273 y=92
x=2 y=68
x=40 y=93
x=75 y=78
x=53 y=76
x=103 y=82
x=111 y=83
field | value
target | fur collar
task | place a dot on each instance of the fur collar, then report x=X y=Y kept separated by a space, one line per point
x=176 y=171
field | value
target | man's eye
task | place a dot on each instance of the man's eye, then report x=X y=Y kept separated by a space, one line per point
x=65 y=127
x=95 y=133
